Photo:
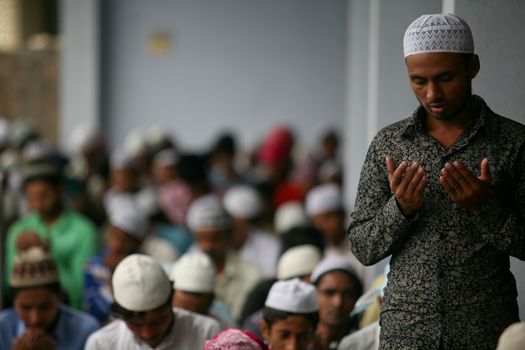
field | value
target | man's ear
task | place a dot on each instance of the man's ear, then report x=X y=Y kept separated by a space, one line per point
x=265 y=330
x=473 y=66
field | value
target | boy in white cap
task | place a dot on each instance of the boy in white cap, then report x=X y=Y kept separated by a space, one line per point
x=145 y=319
x=338 y=289
x=212 y=227
x=193 y=277
x=430 y=195
x=290 y=315
x=260 y=247
x=324 y=205
x=39 y=320
x=127 y=228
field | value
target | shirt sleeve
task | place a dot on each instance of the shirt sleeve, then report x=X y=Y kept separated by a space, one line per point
x=87 y=247
x=501 y=220
x=378 y=226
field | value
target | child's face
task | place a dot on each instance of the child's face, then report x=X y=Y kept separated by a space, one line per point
x=292 y=333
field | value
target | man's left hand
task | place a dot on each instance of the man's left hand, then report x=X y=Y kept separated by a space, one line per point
x=463 y=187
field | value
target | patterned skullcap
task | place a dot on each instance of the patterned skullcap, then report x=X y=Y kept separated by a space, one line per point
x=33 y=267
x=233 y=339
x=438 y=33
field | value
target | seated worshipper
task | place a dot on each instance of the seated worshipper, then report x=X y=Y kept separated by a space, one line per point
x=212 y=227
x=324 y=205
x=513 y=337
x=38 y=319
x=174 y=195
x=193 y=277
x=235 y=339
x=290 y=215
x=145 y=318
x=124 y=177
x=290 y=315
x=251 y=312
x=296 y=262
x=338 y=289
x=223 y=171
x=71 y=238
x=256 y=245
x=367 y=337
x=126 y=231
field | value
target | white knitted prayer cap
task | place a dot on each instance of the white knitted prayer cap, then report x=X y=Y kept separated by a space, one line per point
x=125 y=214
x=438 y=33
x=298 y=261
x=243 y=202
x=294 y=296
x=324 y=199
x=206 y=212
x=194 y=272
x=289 y=215
x=140 y=283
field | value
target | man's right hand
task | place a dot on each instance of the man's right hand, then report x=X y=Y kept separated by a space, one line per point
x=407 y=184
x=33 y=339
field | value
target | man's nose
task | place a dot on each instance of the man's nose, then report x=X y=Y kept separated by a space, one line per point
x=35 y=318
x=433 y=92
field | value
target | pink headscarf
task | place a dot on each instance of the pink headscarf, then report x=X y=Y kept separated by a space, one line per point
x=235 y=339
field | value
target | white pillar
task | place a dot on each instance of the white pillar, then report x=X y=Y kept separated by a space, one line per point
x=79 y=65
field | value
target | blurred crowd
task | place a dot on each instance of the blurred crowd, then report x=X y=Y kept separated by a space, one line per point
x=147 y=246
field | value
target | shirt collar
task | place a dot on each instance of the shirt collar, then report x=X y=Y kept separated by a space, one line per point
x=415 y=123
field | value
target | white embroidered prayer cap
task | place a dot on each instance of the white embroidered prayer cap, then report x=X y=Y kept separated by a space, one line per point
x=513 y=337
x=243 y=202
x=289 y=215
x=135 y=142
x=332 y=263
x=121 y=159
x=125 y=214
x=298 y=261
x=324 y=199
x=294 y=296
x=166 y=157
x=194 y=272
x=83 y=137
x=206 y=212
x=140 y=283
x=438 y=33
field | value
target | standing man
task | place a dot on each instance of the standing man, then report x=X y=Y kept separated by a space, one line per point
x=443 y=193
x=338 y=289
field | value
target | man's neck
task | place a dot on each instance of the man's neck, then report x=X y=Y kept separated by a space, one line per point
x=50 y=218
x=331 y=333
x=220 y=263
x=446 y=132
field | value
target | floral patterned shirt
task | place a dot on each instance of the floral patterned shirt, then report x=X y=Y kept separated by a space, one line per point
x=450 y=279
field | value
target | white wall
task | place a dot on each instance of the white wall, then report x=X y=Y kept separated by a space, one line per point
x=79 y=65
x=244 y=65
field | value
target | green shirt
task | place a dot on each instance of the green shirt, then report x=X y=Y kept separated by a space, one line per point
x=72 y=240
